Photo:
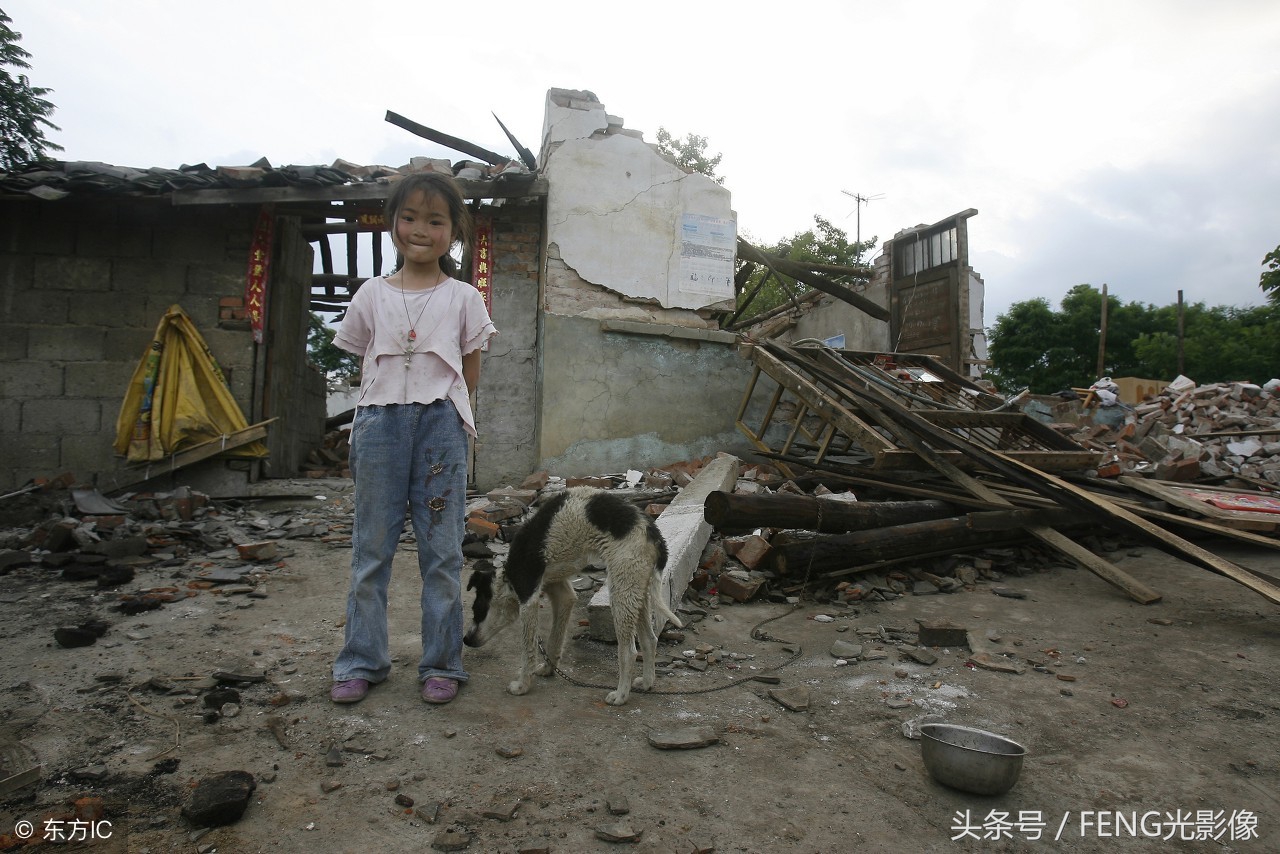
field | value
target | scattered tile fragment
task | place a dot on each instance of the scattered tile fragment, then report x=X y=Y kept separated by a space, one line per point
x=505 y=811
x=796 y=698
x=921 y=656
x=998 y=663
x=621 y=831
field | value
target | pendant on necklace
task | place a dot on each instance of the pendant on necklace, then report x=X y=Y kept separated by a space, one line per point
x=413 y=335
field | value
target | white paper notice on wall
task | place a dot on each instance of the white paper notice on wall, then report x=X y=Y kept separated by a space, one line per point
x=707 y=245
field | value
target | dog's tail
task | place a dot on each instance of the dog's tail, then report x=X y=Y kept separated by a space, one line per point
x=659 y=602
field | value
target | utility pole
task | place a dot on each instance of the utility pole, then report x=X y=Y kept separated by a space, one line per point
x=861 y=200
x=1181 y=329
x=1102 y=337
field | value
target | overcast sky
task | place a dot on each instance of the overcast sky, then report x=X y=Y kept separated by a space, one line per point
x=1128 y=142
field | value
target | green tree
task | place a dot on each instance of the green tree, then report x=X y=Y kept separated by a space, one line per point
x=1270 y=279
x=336 y=363
x=1033 y=346
x=823 y=244
x=690 y=152
x=24 y=113
x=1220 y=344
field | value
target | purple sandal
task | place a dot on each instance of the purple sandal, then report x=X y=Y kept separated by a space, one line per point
x=349 y=691
x=439 y=689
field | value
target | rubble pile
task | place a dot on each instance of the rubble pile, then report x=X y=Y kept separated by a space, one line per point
x=331 y=458
x=192 y=545
x=736 y=567
x=1189 y=433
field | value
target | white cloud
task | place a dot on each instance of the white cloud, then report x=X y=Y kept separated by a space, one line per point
x=1131 y=143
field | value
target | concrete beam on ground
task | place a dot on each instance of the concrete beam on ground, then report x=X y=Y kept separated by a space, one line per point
x=686 y=531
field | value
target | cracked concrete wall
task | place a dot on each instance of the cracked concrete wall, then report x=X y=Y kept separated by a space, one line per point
x=623 y=218
x=618 y=400
x=634 y=371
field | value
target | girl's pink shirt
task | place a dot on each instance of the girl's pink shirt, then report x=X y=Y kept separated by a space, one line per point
x=450 y=320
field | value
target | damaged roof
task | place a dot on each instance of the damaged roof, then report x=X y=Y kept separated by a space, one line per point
x=53 y=180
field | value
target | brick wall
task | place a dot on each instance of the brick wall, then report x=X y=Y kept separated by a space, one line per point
x=83 y=284
x=506 y=400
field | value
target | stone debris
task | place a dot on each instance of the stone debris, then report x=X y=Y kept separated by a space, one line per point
x=846 y=650
x=219 y=799
x=997 y=663
x=795 y=699
x=683 y=739
x=451 y=839
x=621 y=831
x=504 y=811
x=1185 y=433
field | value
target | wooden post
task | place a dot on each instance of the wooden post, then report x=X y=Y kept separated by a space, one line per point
x=813 y=556
x=1181 y=319
x=727 y=511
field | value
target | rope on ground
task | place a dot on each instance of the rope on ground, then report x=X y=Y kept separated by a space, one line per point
x=177 y=725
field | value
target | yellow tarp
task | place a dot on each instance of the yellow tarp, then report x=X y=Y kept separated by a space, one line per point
x=178 y=397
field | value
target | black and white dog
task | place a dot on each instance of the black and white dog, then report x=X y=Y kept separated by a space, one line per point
x=579 y=527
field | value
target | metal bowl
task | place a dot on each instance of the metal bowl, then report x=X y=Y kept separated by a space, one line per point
x=972 y=760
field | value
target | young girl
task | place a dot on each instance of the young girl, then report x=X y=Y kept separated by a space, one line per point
x=419 y=334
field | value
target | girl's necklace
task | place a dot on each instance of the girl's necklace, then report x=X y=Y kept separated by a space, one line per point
x=412 y=337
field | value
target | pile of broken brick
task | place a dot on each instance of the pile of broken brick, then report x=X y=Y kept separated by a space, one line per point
x=738 y=567
x=1189 y=433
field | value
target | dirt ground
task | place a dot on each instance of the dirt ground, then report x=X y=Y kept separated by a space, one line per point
x=1165 y=711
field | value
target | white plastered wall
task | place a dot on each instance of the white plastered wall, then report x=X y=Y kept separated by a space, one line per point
x=621 y=217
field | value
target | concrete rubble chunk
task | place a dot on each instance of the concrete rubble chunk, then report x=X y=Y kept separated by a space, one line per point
x=795 y=698
x=621 y=831
x=683 y=739
x=846 y=649
x=451 y=840
x=998 y=663
x=942 y=633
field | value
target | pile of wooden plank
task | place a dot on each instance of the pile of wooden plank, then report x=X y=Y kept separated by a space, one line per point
x=878 y=419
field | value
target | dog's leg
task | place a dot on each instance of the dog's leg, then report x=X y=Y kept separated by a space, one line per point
x=628 y=608
x=530 y=658
x=649 y=649
x=648 y=633
x=562 y=598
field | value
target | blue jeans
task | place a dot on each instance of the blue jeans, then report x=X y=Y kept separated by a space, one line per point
x=410 y=456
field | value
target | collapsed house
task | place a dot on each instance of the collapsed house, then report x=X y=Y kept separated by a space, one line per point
x=610 y=273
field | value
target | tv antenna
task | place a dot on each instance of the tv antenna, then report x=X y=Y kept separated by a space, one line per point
x=861 y=200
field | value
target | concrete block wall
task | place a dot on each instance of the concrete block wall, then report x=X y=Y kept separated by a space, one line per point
x=83 y=284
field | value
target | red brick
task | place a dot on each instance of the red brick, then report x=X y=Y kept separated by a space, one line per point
x=482 y=527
